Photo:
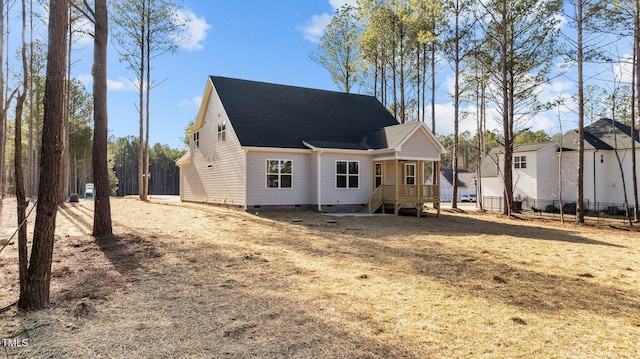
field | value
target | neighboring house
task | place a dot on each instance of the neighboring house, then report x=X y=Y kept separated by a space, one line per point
x=536 y=171
x=466 y=184
x=258 y=145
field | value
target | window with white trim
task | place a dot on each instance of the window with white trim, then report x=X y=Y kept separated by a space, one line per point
x=410 y=173
x=279 y=173
x=378 y=174
x=520 y=162
x=196 y=140
x=222 y=130
x=347 y=174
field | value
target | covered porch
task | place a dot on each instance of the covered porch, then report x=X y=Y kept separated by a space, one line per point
x=401 y=182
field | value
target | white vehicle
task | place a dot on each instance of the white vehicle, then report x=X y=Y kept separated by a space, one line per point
x=468 y=198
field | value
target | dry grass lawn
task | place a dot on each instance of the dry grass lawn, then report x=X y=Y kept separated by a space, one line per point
x=189 y=280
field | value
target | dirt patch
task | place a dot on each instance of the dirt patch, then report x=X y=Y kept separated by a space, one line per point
x=188 y=280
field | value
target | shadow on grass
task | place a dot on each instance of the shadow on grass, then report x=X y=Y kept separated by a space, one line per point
x=472 y=272
x=471 y=225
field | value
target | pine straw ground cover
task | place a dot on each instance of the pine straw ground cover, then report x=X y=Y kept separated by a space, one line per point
x=188 y=280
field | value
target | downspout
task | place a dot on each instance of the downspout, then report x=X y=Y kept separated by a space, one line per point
x=594 y=180
x=319 y=180
x=246 y=171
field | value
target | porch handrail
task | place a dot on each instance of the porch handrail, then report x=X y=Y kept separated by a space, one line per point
x=376 y=199
x=412 y=191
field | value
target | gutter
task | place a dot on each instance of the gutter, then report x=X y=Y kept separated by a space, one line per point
x=594 y=179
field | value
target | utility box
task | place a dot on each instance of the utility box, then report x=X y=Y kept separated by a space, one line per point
x=89 y=191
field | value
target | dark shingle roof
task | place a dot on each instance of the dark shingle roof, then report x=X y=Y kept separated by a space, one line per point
x=271 y=115
x=603 y=134
x=447 y=173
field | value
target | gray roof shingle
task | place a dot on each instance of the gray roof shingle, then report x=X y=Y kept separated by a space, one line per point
x=271 y=115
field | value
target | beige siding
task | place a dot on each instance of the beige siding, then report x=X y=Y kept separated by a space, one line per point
x=216 y=174
x=302 y=188
x=335 y=196
x=419 y=146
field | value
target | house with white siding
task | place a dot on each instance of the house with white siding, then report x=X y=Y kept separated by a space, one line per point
x=537 y=170
x=466 y=184
x=258 y=145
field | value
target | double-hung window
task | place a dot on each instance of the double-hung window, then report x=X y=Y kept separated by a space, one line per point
x=196 y=140
x=410 y=173
x=520 y=162
x=222 y=130
x=279 y=173
x=347 y=174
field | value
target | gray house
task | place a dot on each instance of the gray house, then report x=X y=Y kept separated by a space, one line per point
x=258 y=145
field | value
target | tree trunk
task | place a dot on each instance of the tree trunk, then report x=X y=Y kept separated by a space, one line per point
x=102 y=206
x=3 y=113
x=147 y=110
x=507 y=123
x=20 y=190
x=66 y=157
x=20 y=199
x=456 y=106
x=141 y=152
x=635 y=86
x=580 y=185
x=39 y=273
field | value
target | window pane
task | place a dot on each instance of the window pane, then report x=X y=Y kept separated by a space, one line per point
x=411 y=170
x=411 y=180
x=272 y=181
x=341 y=181
x=285 y=181
x=378 y=169
x=341 y=167
x=353 y=181
x=353 y=168
x=285 y=167
x=273 y=166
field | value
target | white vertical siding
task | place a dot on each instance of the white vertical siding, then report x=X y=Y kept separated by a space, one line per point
x=570 y=177
x=546 y=173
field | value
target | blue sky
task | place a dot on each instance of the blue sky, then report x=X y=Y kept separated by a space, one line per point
x=256 y=40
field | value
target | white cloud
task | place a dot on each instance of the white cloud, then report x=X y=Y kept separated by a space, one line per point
x=121 y=84
x=85 y=79
x=82 y=32
x=314 y=28
x=195 y=30
x=337 y=4
x=194 y=102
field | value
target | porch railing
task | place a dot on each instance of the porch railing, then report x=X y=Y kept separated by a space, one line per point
x=376 y=199
x=406 y=194
x=411 y=192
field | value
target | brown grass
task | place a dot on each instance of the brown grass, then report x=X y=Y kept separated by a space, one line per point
x=188 y=280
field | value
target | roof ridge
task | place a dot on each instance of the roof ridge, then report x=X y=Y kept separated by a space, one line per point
x=288 y=86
